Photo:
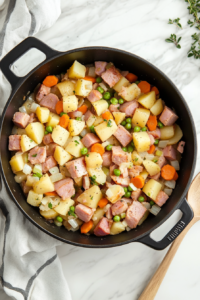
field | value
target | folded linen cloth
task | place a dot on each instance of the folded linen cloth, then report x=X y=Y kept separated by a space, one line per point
x=29 y=266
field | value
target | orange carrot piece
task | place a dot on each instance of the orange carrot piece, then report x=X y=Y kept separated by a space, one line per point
x=152 y=123
x=154 y=88
x=107 y=115
x=83 y=109
x=90 y=79
x=138 y=181
x=98 y=148
x=50 y=81
x=51 y=194
x=103 y=202
x=131 y=77
x=144 y=86
x=59 y=107
x=175 y=176
x=64 y=121
x=86 y=227
x=168 y=172
x=152 y=149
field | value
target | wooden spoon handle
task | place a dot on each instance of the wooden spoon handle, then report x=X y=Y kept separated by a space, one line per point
x=151 y=290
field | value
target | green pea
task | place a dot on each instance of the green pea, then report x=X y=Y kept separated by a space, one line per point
x=141 y=199
x=59 y=219
x=117 y=172
x=156 y=142
x=151 y=202
x=100 y=89
x=128 y=120
x=109 y=147
x=84 y=151
x=92 y=129
x=46 y=132
x=106 y=96
x=136 y=82
x=114 y=101
x=136 y=129
x=144 y=129
x=72 y=208
x=63 y=113
x=123 y=123
x=130 y=189
x=37 y=175
x=125 y=189
x=127 y=195
x=160 y=124
x=124 y=149
x=128 y=126
x=121 y=101
x=49 y=129
x=116 y=219
x=78 y=119
x=130 y=149
x=98 y=79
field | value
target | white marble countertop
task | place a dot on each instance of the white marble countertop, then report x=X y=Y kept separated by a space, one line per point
x=140 y=27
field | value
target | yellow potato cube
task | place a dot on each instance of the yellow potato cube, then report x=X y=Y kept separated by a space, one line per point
x=151 y=167
x=98 y=214
x=130 y=93
x=42 y=114
x=122 y=82
x=75 y=146
x=66 y=88
x=60 y=135
x=17 y=163
x=98 y=172
x=157 y=108
x=141 y=141
x=34 y=199
x=77 y=70
x=64 y=206
x=61 y=156
x=91 y=120
x=53 y=120
x=144 y=174
x=49 y=214
x=100 y=106
x=93 y=160
x=147 y=100
x=44 y=185
x=104 y=131
x=116 y=228
x=166 y=132
x=26 y=143
x=31 y=180
x=75 y=127
x=83 y=87
x=140 y=117
x=119 y=117
x=115 y=193
x=98 y=120
x=152 y=188
x=70 y=103
x=79 y=181
x=177 y=135
x=136 y=159
x=35 y=131
x=91 y=197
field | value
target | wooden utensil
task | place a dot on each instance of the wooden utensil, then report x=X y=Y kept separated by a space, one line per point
x=193 y=197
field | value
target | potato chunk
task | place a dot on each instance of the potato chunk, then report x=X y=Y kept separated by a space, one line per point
x=31 y=180
x=77 y=70
x=136 y=159
x=66 y=88
x=151 y=167
x=34 y=199
x=98 y=214
x=177 y=135
x=100 y=176
x=75 y=127
x=42 y=114
x=122 y=82
x=17 y=163
x=91 y=197
x=104 y=131
x=130 y=93
x=75 y=146
x=44 y=185
x=167 y=132
x=26 y=143
x=98 y=120
x=141 y=141
x=152 y=188
x=83 y=87
x=70 y=103
x=35 y=131
x=140 y=117
x=116 y=228
x=49 y=214
x=93 y=160
x=157 y=108
x=53 y=120
x=61 y=156
x=147 y=100
x=60 y=135
x=100 y=106
x=115 y=193
x=119 y=117
x=64 y=206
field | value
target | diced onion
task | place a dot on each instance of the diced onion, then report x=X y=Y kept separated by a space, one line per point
x=124 y=223
x=155 y=209
x=75 y=229
x=27 y=169
x=133 y=187
x=103 y=86
x=109 y=193
x=163 y=144
x=107 y=207
x=143 y=154
x=126 y=165
x=31 y=97
x=91 y=72
x=149 y=156
x=175 y=164
x=57 y=223
x=146 y=205
x=14 y=130
x=171 y=184
x=143 y=218
x=168 y=191
x=34 y=106
x=56 y=177
x=37 y=168
x=105 y=144
x=83 y=118
x=128 y=228
x=20 y=177
x=73 y=223
x=22 y=109
x=54 y=170
x=18 y=153
x=84 y=132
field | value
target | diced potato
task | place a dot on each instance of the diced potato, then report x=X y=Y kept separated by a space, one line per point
x=167 y=132
x=26 y=143
x=70 y=103
x=98 y=120
x=93 y=160
x=42 y=114
x=98 y=214
x=122 y=82
x=98 y=173
x=66 y=88
x=115 y=193
x=147 y=100
x=75 y=127
x=152 y=188
x=44 y=185
x=49 y=214
x=91 y=197
x=53 y=119
x=113 y=141
x=119 y=117
x=104 y=132
x=130 y=93
x=31 y=180
x=64 y=206
x=61 y=156
x=91 y=120
x=35 y=131
x=83 y=87
x=136 y=159
x=140 y=117
x=141 y=141
x=157 y=108
x=77 y=70
x=106 y=171
x=177 y=135
x=144 y=174
x=79 y=181
x=60 y=135
x=116 y=228
x=17 y=163
x=20 y=176
x=151 y=167
x=75 y=146
x=34 y=199
x=100 y=106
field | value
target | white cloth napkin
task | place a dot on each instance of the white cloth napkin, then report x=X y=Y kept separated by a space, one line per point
x=29 y=266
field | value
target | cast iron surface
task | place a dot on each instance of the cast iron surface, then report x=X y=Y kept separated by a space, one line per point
x=57 y=62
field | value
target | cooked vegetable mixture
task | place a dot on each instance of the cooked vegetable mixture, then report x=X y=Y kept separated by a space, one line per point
x=96 y=149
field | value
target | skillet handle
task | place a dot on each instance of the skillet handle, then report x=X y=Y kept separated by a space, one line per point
x=174 y=232
x=17 y=52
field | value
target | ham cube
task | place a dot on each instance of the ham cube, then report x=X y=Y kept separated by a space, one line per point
x=103 y=227
x=100 y=67
x=88 y=114
x=180 y=147
x=37 y=155
x=83 y=212
x=65 y=188
x=155 y=177
x=47 y=139
x=21 y=119
x=90 y=139
x=42 y=92
x=135 y=171
x=109 y=213
x=14 y=143
x=94 y=96
x=114 y=108
x=121 y=180
x=136 y=194
x=162 y=161
x=25 y=187
x=86 y=182
x=49 y=102
x=107 y=159
x=51 y=149
x=123 y=136
x=76 y=167
x=168 y=117
x=33 y=118
x=156 y=133
x=169 y=153
x=129 y=108
x=75 y=114
x=111 y=76
x=161 y=198
x=134 y=214
x=48 y=164
x=152 y=140
x=118 y=155
x=119 y=207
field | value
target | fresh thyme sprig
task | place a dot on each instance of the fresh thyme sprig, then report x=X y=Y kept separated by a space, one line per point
x=176 y=22
x=194 y=9
x=195 y=49
x=173 y=39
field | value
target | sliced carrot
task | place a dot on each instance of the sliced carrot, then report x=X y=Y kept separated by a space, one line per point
x=152 y=149
x=107 y=115
x=83 y=109
x=144 y=86
x=86 y=227
x=51 y=194
x=154 y=88
x=98 y=148
x=138 y=181
x=50 y=81
x=89 y=78
x=131 y=77
x=175 y=176
x=64 y=121
x=103 y=202
x=152 y=123
x=168 y=172
x=59 y=107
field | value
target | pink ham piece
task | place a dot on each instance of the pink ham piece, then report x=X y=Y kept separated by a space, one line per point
x=135 y=171
x=103 y=227
x=124 y=73
x=169 y=153
x=100 y=67
x=181 y=146
x=65 y=188
x=119 y=207
x=118 y=155
x=88 y=114
x=109 y=213
x=94 y=96
x=33 y=118
x=37 y=155
x=111 y=76
x=83 y=212
x=48 y=164
x=47 y=139
x=90 y=139
x=86 y=182
x=50 y=101
x=129 y=108
x=14 y=143
x=162 y=161
x=124 y=171
x=21 y=119
x=134 y=214
x=42 y=92
x=95 y=86
x=152 y=140
x=155 y=133
x=161 y=198
x=76 y=167
x=123 y=136
x=75 y=114
x=168 y=117
x=51 y=149
x=136 y=194
x=107 y=159
x=128 y=201
x=155 y=177
x=114 y=108
x=25 y=187
x=120 y=180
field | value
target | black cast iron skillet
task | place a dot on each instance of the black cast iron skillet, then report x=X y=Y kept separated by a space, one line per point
x=57 y=62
